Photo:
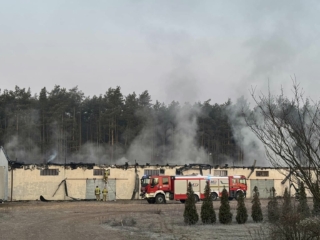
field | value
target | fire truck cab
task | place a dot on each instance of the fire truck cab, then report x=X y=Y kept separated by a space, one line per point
x=233 y=184
x=159 y=189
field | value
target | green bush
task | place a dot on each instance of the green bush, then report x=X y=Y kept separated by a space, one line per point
x=242 y=213
x=293 y=229
x=256 y=212
x=225 y=215
x=291 y=224
x=309 y=228
x=208 y=215
x=190 y=211
x=286 y=206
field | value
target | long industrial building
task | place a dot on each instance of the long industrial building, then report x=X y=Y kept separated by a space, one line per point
x=77 y=181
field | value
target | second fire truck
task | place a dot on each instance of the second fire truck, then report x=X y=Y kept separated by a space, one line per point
x=162 y=188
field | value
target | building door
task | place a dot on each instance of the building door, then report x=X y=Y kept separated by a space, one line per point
x=91 y=185
x=111 y=190
x=263 y=185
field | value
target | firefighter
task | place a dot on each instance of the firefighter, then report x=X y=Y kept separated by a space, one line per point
x=106 y=174
x=104 y=193
x=97 y=193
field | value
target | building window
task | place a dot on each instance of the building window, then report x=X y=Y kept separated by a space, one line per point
x=98 y=172
x=152 y=172
x=221 y=173
x=262 y=173
x=162 y=171
x=49 y=172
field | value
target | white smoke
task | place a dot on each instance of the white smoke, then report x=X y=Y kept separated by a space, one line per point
x=22 y=151
x=180 y=136
x=185 y=148
x=91 y=153
x=251 y=146
x=52 y=156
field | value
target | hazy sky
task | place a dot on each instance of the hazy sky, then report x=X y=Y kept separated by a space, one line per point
x=177 y=50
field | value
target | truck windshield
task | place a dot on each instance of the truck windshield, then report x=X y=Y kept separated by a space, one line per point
x=145 y=181
x=243 y=181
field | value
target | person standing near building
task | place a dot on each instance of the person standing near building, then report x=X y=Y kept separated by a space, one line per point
x=104 y=193
x=97 y=193
x=106 y=175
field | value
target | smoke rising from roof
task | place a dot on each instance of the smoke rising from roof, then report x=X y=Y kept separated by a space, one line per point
x=248 y=142
x=181 y=144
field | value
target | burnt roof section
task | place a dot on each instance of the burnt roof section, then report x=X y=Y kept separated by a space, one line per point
x=185 y=167
x=74 y=165
x=16 y=164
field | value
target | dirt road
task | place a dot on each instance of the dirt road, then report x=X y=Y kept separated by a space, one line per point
x=132 y=220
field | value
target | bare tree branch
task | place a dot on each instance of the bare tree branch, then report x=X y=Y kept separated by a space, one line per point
x=290 y=132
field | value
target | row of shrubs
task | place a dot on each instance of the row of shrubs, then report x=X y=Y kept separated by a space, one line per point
x=285 y=221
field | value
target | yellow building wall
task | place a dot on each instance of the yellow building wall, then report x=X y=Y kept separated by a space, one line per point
x=27 y=183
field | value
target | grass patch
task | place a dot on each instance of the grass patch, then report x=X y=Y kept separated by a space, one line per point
x=124 y=222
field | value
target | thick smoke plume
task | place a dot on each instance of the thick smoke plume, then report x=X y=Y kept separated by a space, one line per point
x=251 y=146
x=25 y=151
x=179 y=146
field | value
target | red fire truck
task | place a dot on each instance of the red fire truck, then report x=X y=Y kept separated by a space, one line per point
x=163 y=188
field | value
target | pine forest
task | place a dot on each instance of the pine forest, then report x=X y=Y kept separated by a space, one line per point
x=66 y=126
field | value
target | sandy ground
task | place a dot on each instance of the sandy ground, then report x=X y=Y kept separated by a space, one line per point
x=122 y=219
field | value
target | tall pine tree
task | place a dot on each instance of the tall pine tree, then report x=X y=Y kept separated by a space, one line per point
x=242 y=213
x=286 y=206
x=273 y=207
x=303 y=207
x=225 y=215
x=190 y=211
x=256 y=212
x=208 y=214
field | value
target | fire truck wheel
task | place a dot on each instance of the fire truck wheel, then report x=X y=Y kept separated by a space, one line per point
x=237 y=195
x=214 y=196
x=182 y=201
x=160 y=199
x=196 y=198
